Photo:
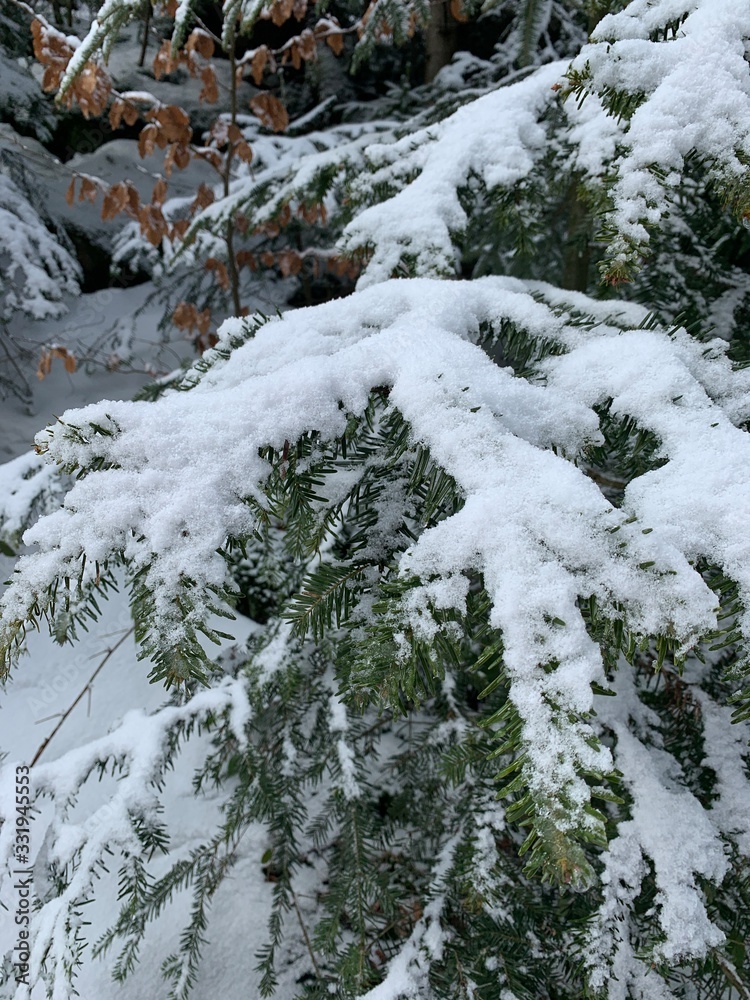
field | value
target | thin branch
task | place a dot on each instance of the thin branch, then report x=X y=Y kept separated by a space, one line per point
x=87 y=687
x=306 y=936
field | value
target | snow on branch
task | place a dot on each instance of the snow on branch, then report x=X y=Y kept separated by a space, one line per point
x=497 y=139
x=138 y=750
x=166 y=485
x=675 y=76
x=28 y=486
x=663 y=810
x=36 y=272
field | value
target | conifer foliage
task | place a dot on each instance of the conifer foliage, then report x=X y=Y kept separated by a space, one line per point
x=492 y=532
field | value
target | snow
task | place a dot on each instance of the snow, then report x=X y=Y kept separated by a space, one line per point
x=175 y=477
x=662 y=813
x=538 y=529
x=35 y=270
x=695 y=97
x=26 y=480
x=497 y=138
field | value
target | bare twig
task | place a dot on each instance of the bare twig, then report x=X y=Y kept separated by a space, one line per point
x=86 y=688
x=306 y=936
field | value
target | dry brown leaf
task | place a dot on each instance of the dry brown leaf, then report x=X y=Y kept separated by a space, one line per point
x=51 y=78
x=69 y=362
x=308 y=48
x=45 y=361
x=243 y=151
x=281 y=11
x=115 y=114
x=51 y=51
x=181 y=156
x=174 y=124
x=147 y=139
x=293 y=53
x=160 y=192
x=219 y=269
x=153 y=224
x=88 y=190
x=134 y=199
x=130 y=114
x=203 y=321
x=258 y=64
x=71 y=192
x=363 y=21
x=90 y=91
x=164 y=63
x=183 y=316
x=87 y=80
x=270 y=111
x=179 y=229
x=45 y=365
x=458 y=12
x=210 y=90
x=212 y=156
x=204 y=197
x=115 y=201
x=335 y=43
x=200 y=42
x=246 y=258
x=290 y=262
x=313 y=212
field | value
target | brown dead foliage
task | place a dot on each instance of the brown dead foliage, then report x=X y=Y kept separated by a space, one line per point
x=204 y=197
x=198 y=324
x=335 y=43
x=92 y=87
x=270 y=111
x=312 y=213
x=115 y=201
x=289 y=262
x=262 y=57
x=219 y=270
x=458 y=12
x=154 y=226
x=45 y=361
x=210 y=90
x=122 y=110
x=201 y=42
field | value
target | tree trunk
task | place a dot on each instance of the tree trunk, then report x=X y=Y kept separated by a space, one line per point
x=144 y=42
x=440 y=38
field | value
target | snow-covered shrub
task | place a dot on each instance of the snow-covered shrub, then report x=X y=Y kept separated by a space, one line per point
x=37 y=271
x=494 y=535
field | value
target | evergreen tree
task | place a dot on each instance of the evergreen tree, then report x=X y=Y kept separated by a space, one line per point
x=489 y=514
x=37 y=271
